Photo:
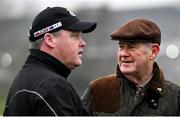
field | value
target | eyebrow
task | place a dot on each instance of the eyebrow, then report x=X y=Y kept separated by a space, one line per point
x=129 y=43
x=76 y=32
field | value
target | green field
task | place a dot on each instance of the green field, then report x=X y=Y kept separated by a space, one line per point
x=2 y=103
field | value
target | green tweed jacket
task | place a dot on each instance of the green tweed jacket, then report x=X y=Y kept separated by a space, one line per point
x=115 y=95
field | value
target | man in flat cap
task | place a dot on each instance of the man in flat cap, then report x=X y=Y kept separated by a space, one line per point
x=138 y=87
x=56 y=48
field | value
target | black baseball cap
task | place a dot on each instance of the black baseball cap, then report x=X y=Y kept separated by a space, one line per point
x=53 y=19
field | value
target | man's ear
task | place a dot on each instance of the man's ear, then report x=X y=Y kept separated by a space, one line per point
x=155 y=50
x=49 y=40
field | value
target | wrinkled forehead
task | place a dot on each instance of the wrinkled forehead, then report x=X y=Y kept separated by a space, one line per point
x=134 y=44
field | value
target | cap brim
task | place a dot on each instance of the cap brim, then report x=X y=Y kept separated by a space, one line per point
x=126 y=40
x=131 y=40
x=85 y=27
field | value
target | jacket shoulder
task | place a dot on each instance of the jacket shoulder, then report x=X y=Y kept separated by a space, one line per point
x=171 y=87
x=104 y=80
x=105 y=94
x=105 y=83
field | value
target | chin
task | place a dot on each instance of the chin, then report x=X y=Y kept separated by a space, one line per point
x=79 y=63
x=75 y=64
x=126 y=71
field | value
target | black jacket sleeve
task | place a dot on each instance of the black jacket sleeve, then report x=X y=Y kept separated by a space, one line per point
x=59 y=99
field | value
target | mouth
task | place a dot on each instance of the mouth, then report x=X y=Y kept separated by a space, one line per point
x=126 y=61
x=80 y=53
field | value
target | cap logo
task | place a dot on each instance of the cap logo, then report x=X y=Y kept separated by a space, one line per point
x=70 y=12
x=47 y=29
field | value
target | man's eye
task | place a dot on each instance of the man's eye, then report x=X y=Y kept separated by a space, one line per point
x=132 y=46
x=121 y=46
x=77 y=37
x=74 y=35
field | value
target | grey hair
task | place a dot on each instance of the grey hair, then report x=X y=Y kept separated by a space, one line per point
x=149 y=45
x=37 y=44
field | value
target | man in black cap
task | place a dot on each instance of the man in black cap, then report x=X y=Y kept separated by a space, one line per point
x=56 y=48
x=138 y=87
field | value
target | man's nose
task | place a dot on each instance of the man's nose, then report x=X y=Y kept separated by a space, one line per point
x=124 y=51
x=82 y=43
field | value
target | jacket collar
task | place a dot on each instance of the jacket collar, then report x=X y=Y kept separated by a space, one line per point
x=37 y=56
x=155 y=84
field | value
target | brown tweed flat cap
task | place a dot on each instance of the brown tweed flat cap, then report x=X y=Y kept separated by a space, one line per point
x=138 y=30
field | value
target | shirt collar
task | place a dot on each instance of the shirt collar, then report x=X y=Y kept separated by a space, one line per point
x=49 y=61
x=146 y=82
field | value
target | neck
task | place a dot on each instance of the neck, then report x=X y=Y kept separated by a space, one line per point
x=139 y=79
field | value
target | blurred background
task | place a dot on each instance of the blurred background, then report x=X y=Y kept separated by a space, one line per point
x=100 y=53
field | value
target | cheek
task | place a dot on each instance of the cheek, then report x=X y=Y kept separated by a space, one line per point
x=141 y=59
x=67 y=47
x=118 y=56
x=72 y=52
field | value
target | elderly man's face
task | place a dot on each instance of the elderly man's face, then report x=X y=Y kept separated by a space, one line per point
x=134 y=58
